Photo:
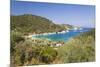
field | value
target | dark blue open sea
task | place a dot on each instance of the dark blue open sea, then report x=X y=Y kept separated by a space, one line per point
x=64 y=36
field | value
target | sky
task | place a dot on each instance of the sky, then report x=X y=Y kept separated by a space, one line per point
x=77 y=15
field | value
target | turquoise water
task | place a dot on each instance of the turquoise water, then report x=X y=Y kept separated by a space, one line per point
x=64 y=36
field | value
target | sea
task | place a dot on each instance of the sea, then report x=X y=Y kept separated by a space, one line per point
x=64 y=36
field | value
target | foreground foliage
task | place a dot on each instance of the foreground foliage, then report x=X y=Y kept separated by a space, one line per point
x=27 y=52
x=32 y=52
x=79 y=49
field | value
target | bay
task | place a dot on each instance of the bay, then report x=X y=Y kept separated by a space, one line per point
x=63 y=36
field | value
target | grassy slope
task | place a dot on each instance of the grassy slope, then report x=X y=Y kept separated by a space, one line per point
x=25 y=52
x=79 y=49
x=32 y=23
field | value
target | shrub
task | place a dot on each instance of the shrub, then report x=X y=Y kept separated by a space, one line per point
x=48 y=55
x=16 y=37
x=79 y=49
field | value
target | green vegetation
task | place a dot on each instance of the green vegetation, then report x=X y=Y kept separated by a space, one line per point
x=33 y=24
x=25 y=51
x=16 y=37
x=67 y=26
x=79 y=49
x=30 y=53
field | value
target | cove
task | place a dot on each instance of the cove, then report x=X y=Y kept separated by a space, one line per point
x=63 y=36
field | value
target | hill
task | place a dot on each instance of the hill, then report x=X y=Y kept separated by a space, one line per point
x=79 y=49
x=31 y=23
x=67 y=26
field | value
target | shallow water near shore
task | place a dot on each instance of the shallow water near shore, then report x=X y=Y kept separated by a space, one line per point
x=63 y=36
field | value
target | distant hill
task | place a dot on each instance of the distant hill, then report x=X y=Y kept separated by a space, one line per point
x=31 y=23
x=67 y=26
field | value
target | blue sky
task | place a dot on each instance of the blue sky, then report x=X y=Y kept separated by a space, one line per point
x=78 y=15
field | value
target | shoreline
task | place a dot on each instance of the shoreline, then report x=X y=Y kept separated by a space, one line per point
x=33 y=35
x=61 y=32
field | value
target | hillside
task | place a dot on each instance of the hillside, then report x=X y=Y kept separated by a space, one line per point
x=32 y=23
x=79 y=49
x=67 y=26
x=27 y=52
